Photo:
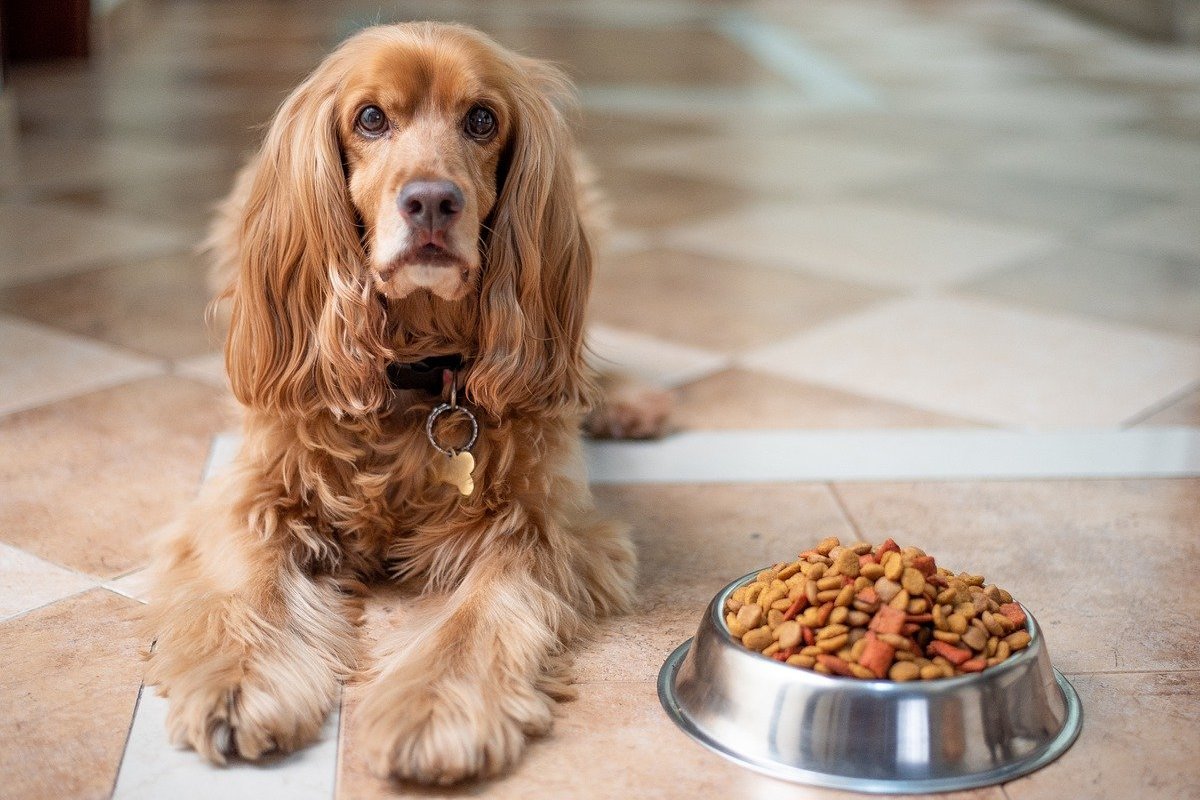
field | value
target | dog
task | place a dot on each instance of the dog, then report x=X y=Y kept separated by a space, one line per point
x=409 y=260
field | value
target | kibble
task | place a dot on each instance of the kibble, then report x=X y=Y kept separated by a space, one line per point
x=876 y=612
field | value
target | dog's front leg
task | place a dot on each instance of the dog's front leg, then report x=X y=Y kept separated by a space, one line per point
x=250 y=645
x=469 y=675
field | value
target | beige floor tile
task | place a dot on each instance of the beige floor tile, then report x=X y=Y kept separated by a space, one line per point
x=641 y=199
x=155 y=307
x=1138 y=740
x=814 y=167
x=1146 y=290
x=87 y=479
x=647 y=358
x=43 y=241
x=647 y=57
x=209 y=368
x=607 y=137
x=28 y=582
x=186 y=202
x=1083 y=556
x=715 y=303
x=1028 y=200
x=989 y=362
x=40 y=365
x=1182 y=411
x=613 y=741
x=1137 y=162
x=48 y=164
x=135 y=585
x=1033 y=108
x=886 y=246
x=692 y=541
x=742 y=399
x=1173 y=230
x=69 y=677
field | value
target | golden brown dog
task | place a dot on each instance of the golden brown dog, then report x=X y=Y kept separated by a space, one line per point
x=414 y=197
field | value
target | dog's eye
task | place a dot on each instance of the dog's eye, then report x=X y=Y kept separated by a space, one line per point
x=371 y=121
x=480 y=123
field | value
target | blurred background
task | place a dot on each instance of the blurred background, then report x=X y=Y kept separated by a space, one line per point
x=828 y=215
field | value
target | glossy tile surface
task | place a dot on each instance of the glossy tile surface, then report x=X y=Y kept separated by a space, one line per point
x=87 y=479
x=722 y=305
x=155 y=308
x=890 y=247
x=49 y=240
x=747 y=399
x=998 y=363
x=924 y=244
x=1129 y=286
x=40 y=365
x=69 y=676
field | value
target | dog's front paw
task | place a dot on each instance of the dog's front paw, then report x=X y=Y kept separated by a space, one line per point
x=451 y=730
x=247 y=720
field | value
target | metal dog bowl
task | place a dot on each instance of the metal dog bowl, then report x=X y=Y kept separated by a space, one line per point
x=868 y=735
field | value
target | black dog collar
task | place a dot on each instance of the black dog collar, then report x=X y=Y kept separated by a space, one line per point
x=424 y=375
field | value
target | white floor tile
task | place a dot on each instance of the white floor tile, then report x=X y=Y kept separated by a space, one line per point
x=870 y=243
x=79 y=365
x=28 y=582
x=650 y=359
x=896 y=455
x=209 y=368
x=1142 y=162
x=45 y=241
x=1171 y=230
x=152 y=769
x=1030 y=108
x=134 y=585
x=784 y=165
x=224 y=449
x=990 y=362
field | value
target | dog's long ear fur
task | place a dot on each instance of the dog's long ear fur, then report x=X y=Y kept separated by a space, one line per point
x=306 y=333
x=538 y=269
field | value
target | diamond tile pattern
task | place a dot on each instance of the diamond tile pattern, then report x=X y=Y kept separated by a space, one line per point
x=836 y=214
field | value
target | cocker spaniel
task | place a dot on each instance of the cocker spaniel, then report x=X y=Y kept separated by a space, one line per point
x=409 y=270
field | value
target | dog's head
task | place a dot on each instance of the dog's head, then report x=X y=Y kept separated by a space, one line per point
x=419 y=162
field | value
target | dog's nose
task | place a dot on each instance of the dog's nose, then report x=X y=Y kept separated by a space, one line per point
x=431 y=205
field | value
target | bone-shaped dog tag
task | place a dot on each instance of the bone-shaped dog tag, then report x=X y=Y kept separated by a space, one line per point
x=456 y=471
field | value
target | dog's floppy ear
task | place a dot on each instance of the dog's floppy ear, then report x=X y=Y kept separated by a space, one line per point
x=538 y=269
x=306 y=332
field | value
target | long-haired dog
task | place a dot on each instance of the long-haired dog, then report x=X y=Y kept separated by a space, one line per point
x=415 y=199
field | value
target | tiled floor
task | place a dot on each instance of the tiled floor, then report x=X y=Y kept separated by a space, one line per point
x=873 y=241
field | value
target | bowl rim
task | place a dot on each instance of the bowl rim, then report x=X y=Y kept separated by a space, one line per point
x=879 y=687
x=1014 y=661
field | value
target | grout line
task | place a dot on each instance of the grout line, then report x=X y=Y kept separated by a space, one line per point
x=337 y=751
x=1161 y=405
x=49 y=603
x=841 y=503
x=1187 y=670
x=125 y=745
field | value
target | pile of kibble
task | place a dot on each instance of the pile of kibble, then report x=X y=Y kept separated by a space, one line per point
x=876 y=612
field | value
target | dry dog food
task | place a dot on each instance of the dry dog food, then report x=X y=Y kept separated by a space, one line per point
x=876 y=612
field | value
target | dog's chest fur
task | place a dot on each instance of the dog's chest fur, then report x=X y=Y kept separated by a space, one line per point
x=378 y=492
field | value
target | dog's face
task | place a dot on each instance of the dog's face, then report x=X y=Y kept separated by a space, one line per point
x=422 y=143
x=417 y=159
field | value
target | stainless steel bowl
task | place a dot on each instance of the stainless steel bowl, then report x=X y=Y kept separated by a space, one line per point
x=868 y=735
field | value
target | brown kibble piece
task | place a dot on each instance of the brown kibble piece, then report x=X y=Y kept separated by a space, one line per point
x=750 y=616
x=887 y=613
x=788 y=634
